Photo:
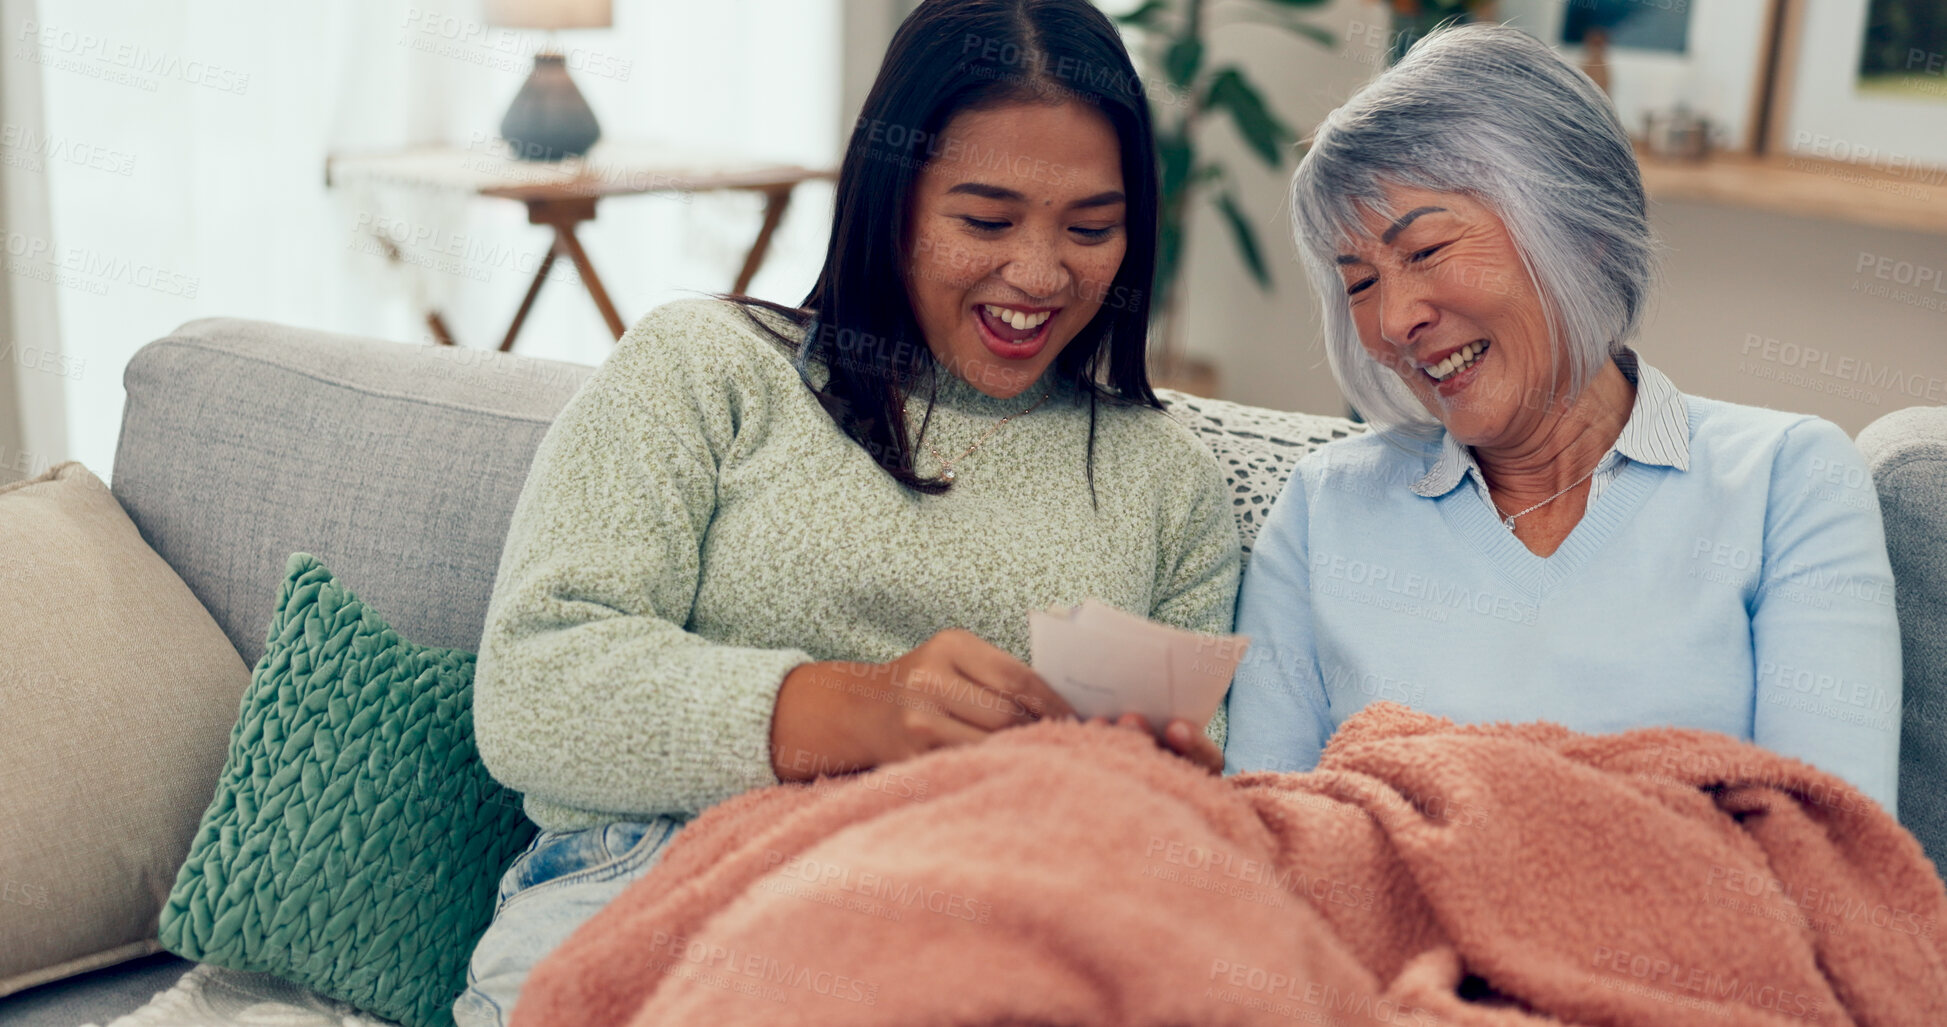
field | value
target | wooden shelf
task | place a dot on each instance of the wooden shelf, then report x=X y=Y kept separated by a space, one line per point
x=1912 y=198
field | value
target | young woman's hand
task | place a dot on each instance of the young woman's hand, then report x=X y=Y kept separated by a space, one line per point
x=955 y=688
x=1179 y=736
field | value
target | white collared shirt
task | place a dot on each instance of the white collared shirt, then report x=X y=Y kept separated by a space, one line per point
x=1657 y=432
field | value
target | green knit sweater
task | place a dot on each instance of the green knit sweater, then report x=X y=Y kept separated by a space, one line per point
x=694 y=525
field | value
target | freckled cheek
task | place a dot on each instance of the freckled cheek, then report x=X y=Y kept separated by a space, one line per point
x=943 y=263
x=1094 y=272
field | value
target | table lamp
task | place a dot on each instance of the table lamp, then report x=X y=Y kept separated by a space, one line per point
x=549 y=120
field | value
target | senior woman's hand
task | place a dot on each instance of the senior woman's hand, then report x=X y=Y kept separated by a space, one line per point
x=956 y=688
x=1179 y=736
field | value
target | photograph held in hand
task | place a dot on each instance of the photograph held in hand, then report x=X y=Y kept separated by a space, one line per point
x=1107 y=663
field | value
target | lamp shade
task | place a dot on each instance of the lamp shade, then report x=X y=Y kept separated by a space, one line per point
x=548 y=14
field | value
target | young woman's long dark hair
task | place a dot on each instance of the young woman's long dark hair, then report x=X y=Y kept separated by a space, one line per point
x=952 y=56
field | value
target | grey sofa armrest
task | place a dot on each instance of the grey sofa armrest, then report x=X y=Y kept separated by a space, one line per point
x=1907 y=451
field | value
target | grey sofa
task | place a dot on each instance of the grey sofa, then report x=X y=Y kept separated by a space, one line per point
x=398 y=466
x=1907 y=452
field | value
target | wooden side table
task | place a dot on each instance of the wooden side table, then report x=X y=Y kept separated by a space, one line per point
x=563 y=194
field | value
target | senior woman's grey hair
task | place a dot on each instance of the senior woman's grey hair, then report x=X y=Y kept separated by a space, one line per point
x=1489 y=111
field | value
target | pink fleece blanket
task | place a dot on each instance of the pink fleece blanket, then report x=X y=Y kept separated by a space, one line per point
x=1424 y=874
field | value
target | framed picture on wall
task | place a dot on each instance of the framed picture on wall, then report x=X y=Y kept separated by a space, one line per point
x=1708 y=56
x=1868 y=84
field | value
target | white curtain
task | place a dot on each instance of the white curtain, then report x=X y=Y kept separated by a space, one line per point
x=178 y=151
x=33 y=389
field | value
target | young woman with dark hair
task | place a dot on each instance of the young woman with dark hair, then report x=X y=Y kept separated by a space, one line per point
x=764 y=544
x=1052 y=66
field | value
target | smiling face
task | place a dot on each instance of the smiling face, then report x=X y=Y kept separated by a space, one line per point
x=1440 y=296
x=1015 y=236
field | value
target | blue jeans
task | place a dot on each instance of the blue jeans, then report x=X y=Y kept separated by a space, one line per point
x=553 y=887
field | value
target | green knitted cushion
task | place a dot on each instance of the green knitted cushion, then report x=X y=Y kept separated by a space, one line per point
x=355 y=842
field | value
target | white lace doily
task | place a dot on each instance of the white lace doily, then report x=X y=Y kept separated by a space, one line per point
x=1257 y=447
x=212 y=996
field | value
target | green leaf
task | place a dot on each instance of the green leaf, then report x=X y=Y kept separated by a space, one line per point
x=1310 y=31
x=1143 y=17
x=1269 y=136
x=1177 y=159
x=1175 y=156
x=1169 y=249
x=1284 y=20
x=1183 y=60
x=1245 y=237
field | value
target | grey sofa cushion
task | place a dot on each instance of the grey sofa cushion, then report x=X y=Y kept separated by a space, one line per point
x=1907 y=451
x=97 y=997
x=397 y=466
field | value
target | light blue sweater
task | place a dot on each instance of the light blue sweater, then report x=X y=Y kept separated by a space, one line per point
x=1748 y=594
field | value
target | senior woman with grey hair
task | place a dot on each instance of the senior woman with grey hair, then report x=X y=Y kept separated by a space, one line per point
x=1541 y=526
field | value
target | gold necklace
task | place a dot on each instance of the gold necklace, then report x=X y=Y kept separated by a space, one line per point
x=946 y=466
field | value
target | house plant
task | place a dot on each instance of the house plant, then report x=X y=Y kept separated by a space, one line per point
x=1189 y=91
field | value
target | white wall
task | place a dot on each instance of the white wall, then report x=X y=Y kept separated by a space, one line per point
x=867 y=30
x=1731 y=274
x=1748 y=297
